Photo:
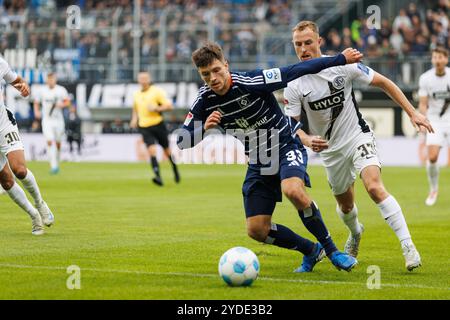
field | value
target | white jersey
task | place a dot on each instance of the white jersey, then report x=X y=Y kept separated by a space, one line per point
x=437 y=89
x=8 y=76
x=48 y=98
x=327 y=104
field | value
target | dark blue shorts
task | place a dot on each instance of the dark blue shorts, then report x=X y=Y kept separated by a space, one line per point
x=262 y=192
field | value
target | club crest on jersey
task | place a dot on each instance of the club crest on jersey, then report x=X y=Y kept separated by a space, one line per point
x=243 y=102
x=272 y=75
x=339 y=82
x=334 y=100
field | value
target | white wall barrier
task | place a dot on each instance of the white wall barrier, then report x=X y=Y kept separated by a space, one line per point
x=395 y=151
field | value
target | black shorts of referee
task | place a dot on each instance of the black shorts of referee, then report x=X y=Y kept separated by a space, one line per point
x=156 y=134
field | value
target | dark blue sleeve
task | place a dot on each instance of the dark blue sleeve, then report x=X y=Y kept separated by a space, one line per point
x=192 y=131
x=270 y=80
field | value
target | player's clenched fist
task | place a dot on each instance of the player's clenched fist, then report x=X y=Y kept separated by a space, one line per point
x=352 y=55
x=213 y=120
x=23 y=88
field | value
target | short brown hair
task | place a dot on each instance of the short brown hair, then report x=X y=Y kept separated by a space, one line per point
x=302 y=25
x=440 y=50
x=205 y=55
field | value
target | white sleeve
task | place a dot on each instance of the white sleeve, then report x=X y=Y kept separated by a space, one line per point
x=423 y=92
x=64 y=93
x=6 y=72
x=292 y=103
x=360 y=73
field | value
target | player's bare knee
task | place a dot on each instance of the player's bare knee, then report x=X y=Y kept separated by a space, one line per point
x=258 y=232
x=346 y=207
x=376 y=192
x=7 y=182
x=297 y=196
x=20 y=172
x=433 y=158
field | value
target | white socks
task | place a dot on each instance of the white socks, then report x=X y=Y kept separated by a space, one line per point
x=392 y=213
x=433 y=175
x=53 y=155
x=18 y=196
x=30 y=184
x=350 y=219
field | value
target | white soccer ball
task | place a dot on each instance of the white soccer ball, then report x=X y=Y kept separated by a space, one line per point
x=239 y=266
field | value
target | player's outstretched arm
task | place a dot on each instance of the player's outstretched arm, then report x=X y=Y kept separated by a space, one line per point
x=22 y=86
x=278 y=78
x=352 y=55
x=418 y=120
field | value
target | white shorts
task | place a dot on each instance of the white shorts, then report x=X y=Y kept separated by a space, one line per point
x=441 y=135
x=345 y=164
x=9 y=141
x=53 y=131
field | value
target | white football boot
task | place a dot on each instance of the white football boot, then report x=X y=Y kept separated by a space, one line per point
x=36 y=224
x=412 y=257
x=352 y=245
x=46 y=214
x=432 y=198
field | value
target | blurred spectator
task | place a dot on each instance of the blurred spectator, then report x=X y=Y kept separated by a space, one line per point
x=420 y=47
x=402 y=21
x=396 y=41
x=73 y=130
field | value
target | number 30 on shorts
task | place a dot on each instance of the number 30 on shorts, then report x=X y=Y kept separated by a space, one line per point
x=295 y=157
x=11 y=137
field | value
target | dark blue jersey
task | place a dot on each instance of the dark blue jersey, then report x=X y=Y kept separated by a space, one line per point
x=249 y=109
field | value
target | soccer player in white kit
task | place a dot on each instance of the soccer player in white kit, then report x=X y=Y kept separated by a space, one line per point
x=12 y=159
x=326 y=103
x=434 y=101
x=53 y=98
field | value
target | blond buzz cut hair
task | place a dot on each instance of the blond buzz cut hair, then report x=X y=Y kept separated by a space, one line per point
x=302 y=25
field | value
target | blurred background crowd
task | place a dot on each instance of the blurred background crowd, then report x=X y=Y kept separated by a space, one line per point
x=238 y=25
x=116 y=39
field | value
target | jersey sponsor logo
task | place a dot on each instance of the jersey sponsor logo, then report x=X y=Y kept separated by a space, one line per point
x=188 y=119
x=441 y=95
x=334 y=100
x=244 y=124
x=363 y=68
x=305 y=95
x=272 y=75
x=339 y=82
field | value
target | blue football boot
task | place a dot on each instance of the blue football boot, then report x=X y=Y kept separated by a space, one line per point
x=310 y=260
x=342 y=260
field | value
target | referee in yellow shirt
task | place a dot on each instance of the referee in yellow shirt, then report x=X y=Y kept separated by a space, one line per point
x=148 y=104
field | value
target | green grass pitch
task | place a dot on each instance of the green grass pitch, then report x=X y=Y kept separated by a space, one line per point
x=133 y=240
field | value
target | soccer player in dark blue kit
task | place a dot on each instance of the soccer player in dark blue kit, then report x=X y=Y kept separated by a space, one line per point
x=243 y=104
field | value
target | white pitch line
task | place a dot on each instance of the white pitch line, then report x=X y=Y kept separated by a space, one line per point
x=206 y=275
